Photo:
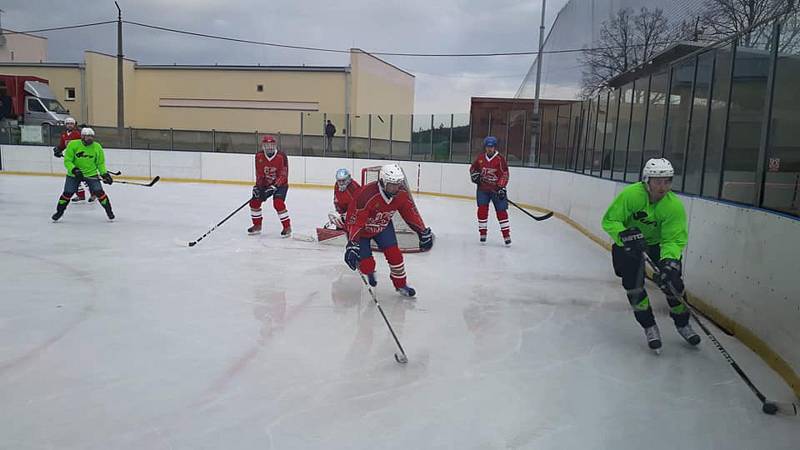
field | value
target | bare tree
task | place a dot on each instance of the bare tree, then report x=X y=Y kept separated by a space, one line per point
x=626 y=40
x=725 y=18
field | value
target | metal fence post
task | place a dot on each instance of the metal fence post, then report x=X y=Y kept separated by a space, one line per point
x=508 y=125
x=213 y=140
x=347 y=135
x=369 y=135
x=130 y=138
x=450 y=147
x=391 y=133
x=301 y=133
x=171 y=139
x=432 y=125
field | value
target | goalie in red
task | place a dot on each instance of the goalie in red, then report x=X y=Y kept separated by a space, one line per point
x=370 y=218
x=344 y=191
x=272 y=180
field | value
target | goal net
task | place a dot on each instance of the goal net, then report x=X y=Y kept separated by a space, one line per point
x=407 y=239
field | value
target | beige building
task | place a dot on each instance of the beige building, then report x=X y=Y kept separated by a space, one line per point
x=22 y=47
x=229 y=98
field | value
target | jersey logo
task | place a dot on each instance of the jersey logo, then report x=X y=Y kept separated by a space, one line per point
x=489 y=175
x=641 y=216
x=271 y=173
x=82 y=154
x=379 y=222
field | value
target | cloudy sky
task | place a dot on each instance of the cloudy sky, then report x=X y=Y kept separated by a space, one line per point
x=443 y=85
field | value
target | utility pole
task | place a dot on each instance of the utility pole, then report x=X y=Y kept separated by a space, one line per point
x=536 y=117
x=120 y=85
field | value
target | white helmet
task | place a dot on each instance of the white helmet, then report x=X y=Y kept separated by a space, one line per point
x=391 y=174
x=657 y=168
x=87 y=132
x=343 y=178
x=69 y=120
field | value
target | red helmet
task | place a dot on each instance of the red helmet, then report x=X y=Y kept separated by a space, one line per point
x=269 y=145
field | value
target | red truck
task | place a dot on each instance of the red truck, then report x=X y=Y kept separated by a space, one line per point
x=30 y=100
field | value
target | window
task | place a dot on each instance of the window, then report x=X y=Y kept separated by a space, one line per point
x=34 y=105
x=782 y=180
x=680 y=103
x=599 y=134
x=697 y=129
x=611 y=133
x=655 y=116
x=621 y=148
x=639 y=108
x=748 y=96
x=260 y=88
x=716 y=124
x=69 y=94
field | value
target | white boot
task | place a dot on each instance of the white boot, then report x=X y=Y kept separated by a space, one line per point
x=688 y=333
x=653 y=338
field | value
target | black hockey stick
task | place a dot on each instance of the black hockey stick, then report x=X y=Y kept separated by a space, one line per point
x=193 y=243
x=540 y=218
x=769 y=407
x=150 y=184
x=401 y=358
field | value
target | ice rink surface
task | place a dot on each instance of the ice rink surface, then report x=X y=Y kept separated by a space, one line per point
x=114 y=337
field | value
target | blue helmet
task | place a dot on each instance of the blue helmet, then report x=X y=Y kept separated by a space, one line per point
x=490 y=141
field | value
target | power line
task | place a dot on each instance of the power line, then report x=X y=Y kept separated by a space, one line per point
x=67 y=27
x=380 y=53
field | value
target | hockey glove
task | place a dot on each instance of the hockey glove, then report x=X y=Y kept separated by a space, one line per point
x=501 y=193
x=352 y=254
x=671 y=274
x=77 y=172
x=107 y=178
x=633 y=241
x=425 y=240
x=57 y=152
x=476 y=177
x=267 y=192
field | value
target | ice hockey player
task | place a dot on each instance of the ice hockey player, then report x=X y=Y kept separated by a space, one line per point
x=344 y=191
x=272 y=180
x=647 y=216
x=85 y=161
x=369 y=217
x=70 y=134
x=490 y=173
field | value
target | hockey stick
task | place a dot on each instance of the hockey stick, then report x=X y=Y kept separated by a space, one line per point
x=768 y=407
x=150 y=184
x=401 y=358
x=115 y=173
x=539 y=218
x=193 y=243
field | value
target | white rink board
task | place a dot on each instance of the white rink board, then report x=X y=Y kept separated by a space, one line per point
x=742 y=261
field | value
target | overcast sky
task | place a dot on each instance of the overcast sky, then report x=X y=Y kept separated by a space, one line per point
x=443 y=85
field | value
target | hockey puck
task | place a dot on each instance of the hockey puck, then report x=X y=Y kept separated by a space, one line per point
x=400 y=358
x=769 y=408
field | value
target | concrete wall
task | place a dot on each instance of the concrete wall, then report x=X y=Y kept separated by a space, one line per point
x=379 y=87
x=740 y=261
x=101 y=86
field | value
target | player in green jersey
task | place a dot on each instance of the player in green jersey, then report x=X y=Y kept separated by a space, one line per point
x=85 y=161
x=649 y=217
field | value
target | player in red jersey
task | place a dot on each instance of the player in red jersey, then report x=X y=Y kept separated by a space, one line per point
x=369 y=217
x=490 y=173
x=344 y=191
x=272 y=180
x=70 y=133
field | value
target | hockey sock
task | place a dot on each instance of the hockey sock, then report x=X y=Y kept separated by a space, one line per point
x=63 y=201
x=641 y=307
x=367 y=265
x=483 y=219
x=255 y=211
x=678 y=311
x=103 y=198
x=283 y=214
x=505 y=228
x=396 y=266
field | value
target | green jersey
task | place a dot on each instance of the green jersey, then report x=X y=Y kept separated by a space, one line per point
x=90 y=159
x=663 y=222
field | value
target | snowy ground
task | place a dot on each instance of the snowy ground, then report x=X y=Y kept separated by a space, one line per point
x=114 y=337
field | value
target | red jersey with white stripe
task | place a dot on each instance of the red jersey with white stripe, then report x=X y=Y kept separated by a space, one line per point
x=493 y=170
x=342 y=199
x=272 y=171
x=67 y=137
x=372 y=211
